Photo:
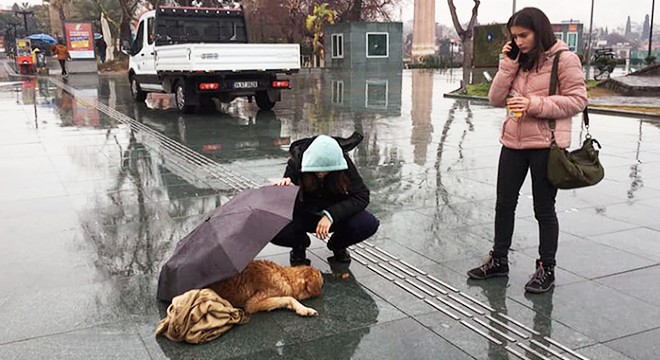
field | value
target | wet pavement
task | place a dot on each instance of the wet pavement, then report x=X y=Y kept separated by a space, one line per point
x=91 y=205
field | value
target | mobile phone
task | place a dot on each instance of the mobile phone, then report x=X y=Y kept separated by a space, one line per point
x=513 y=54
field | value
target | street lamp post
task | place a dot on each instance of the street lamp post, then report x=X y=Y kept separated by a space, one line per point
x=14 y=26
x=651 y=29
x=591 y=23
x=25 y=13
x=514 y=7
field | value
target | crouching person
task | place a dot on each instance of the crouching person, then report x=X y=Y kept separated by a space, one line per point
x=332 y=198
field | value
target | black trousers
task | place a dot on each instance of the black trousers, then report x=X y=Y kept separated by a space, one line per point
x=347 y=232
x=63 y=66
x=511 y=174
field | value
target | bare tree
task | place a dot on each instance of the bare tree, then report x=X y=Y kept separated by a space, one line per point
x=363 y=10
x=285 y=19
x=355 y=12
x=276 y=20
x=61 y=7
x=466 y=36
x=129 y=13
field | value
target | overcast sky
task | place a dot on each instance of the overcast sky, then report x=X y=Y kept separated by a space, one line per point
x=610 y=13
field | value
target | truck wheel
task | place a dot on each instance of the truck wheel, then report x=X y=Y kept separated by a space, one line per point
x=180 y=98
x=263 y=102
x=136 y=92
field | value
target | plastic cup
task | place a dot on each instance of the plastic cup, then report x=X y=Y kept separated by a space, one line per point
x=511 y=113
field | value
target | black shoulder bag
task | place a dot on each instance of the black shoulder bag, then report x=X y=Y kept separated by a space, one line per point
x=578 y=168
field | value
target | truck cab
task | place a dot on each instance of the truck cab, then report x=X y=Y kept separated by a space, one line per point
x=203 y=53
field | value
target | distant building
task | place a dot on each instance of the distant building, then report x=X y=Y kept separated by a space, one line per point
x=571 y=33
x=639 y=55
x=622 y=51
x=364 y=44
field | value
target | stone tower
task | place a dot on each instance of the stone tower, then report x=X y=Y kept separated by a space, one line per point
x=423 y=29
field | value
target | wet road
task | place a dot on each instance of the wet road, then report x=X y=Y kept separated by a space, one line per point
x=111 y=201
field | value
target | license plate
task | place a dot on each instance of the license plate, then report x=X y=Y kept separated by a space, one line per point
x=245 y=84
x=247 y=144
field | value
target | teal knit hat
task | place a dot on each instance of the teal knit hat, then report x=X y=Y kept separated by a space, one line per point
x=323 y=155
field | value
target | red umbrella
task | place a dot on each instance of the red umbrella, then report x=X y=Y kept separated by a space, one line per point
x=228 y=239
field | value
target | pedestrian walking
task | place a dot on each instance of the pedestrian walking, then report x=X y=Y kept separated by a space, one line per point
x=101 y=47
x=522 y=84
x=332 y=198
x=60 y=50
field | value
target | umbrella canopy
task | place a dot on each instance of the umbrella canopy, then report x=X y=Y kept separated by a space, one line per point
x=43 y=37
x=227 y=240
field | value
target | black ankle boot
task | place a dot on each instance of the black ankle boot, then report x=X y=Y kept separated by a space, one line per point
x=542 y=280
x=342 y=256
x=492 y=267
x=298 y=257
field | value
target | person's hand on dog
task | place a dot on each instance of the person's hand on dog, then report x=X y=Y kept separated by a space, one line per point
x=323 y=228
x=283 y=182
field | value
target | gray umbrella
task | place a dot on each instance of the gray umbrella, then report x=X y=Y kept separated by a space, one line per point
x=228 y=239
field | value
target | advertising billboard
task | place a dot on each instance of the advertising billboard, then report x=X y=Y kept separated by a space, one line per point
x=80 y=40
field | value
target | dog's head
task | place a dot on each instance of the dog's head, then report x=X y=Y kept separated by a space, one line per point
x=308 y=282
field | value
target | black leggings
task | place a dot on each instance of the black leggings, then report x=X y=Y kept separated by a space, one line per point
x=511 y=174
x=63 y=66
x=345 y=233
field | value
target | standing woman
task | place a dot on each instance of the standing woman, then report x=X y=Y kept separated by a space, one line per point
x=522 y=85
x=60 y=50
x=332 y=198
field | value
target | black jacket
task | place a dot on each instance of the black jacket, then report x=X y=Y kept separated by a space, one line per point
x=341 y=206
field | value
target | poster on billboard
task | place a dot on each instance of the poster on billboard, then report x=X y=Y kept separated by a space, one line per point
x=80 y=40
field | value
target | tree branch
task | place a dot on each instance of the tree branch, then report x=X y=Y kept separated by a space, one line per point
x=473 y=20
x=454 y=18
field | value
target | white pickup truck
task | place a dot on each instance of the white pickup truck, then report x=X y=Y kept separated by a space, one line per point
x=202 y=53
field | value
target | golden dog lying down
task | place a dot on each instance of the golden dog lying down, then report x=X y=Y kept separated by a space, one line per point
x=266 y=286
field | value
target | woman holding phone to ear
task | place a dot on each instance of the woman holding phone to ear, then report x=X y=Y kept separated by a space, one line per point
x=522 y=85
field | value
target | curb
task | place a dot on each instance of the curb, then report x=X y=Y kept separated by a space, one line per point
x=595 y=109
x=635 y=114
x=465 y=97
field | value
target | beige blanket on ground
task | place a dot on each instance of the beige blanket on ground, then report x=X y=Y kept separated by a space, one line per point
x=199 y=316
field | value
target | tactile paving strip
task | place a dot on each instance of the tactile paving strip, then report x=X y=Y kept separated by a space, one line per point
x=498 y=328
x=216 y=171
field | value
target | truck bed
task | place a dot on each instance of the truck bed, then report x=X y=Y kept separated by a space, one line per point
x=227 y=57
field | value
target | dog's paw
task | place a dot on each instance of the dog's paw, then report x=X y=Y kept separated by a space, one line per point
x=306 y=311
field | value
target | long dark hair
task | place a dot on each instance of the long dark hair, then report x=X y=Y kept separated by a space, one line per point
x=336 y=182
x=544 y=36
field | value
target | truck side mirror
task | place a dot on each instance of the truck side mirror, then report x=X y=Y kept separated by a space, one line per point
x=126 y=47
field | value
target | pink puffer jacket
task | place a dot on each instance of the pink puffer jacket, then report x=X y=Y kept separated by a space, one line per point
x=531 y=131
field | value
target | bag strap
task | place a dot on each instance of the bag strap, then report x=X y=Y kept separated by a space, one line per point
x=554 y=75
x=554 y=79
